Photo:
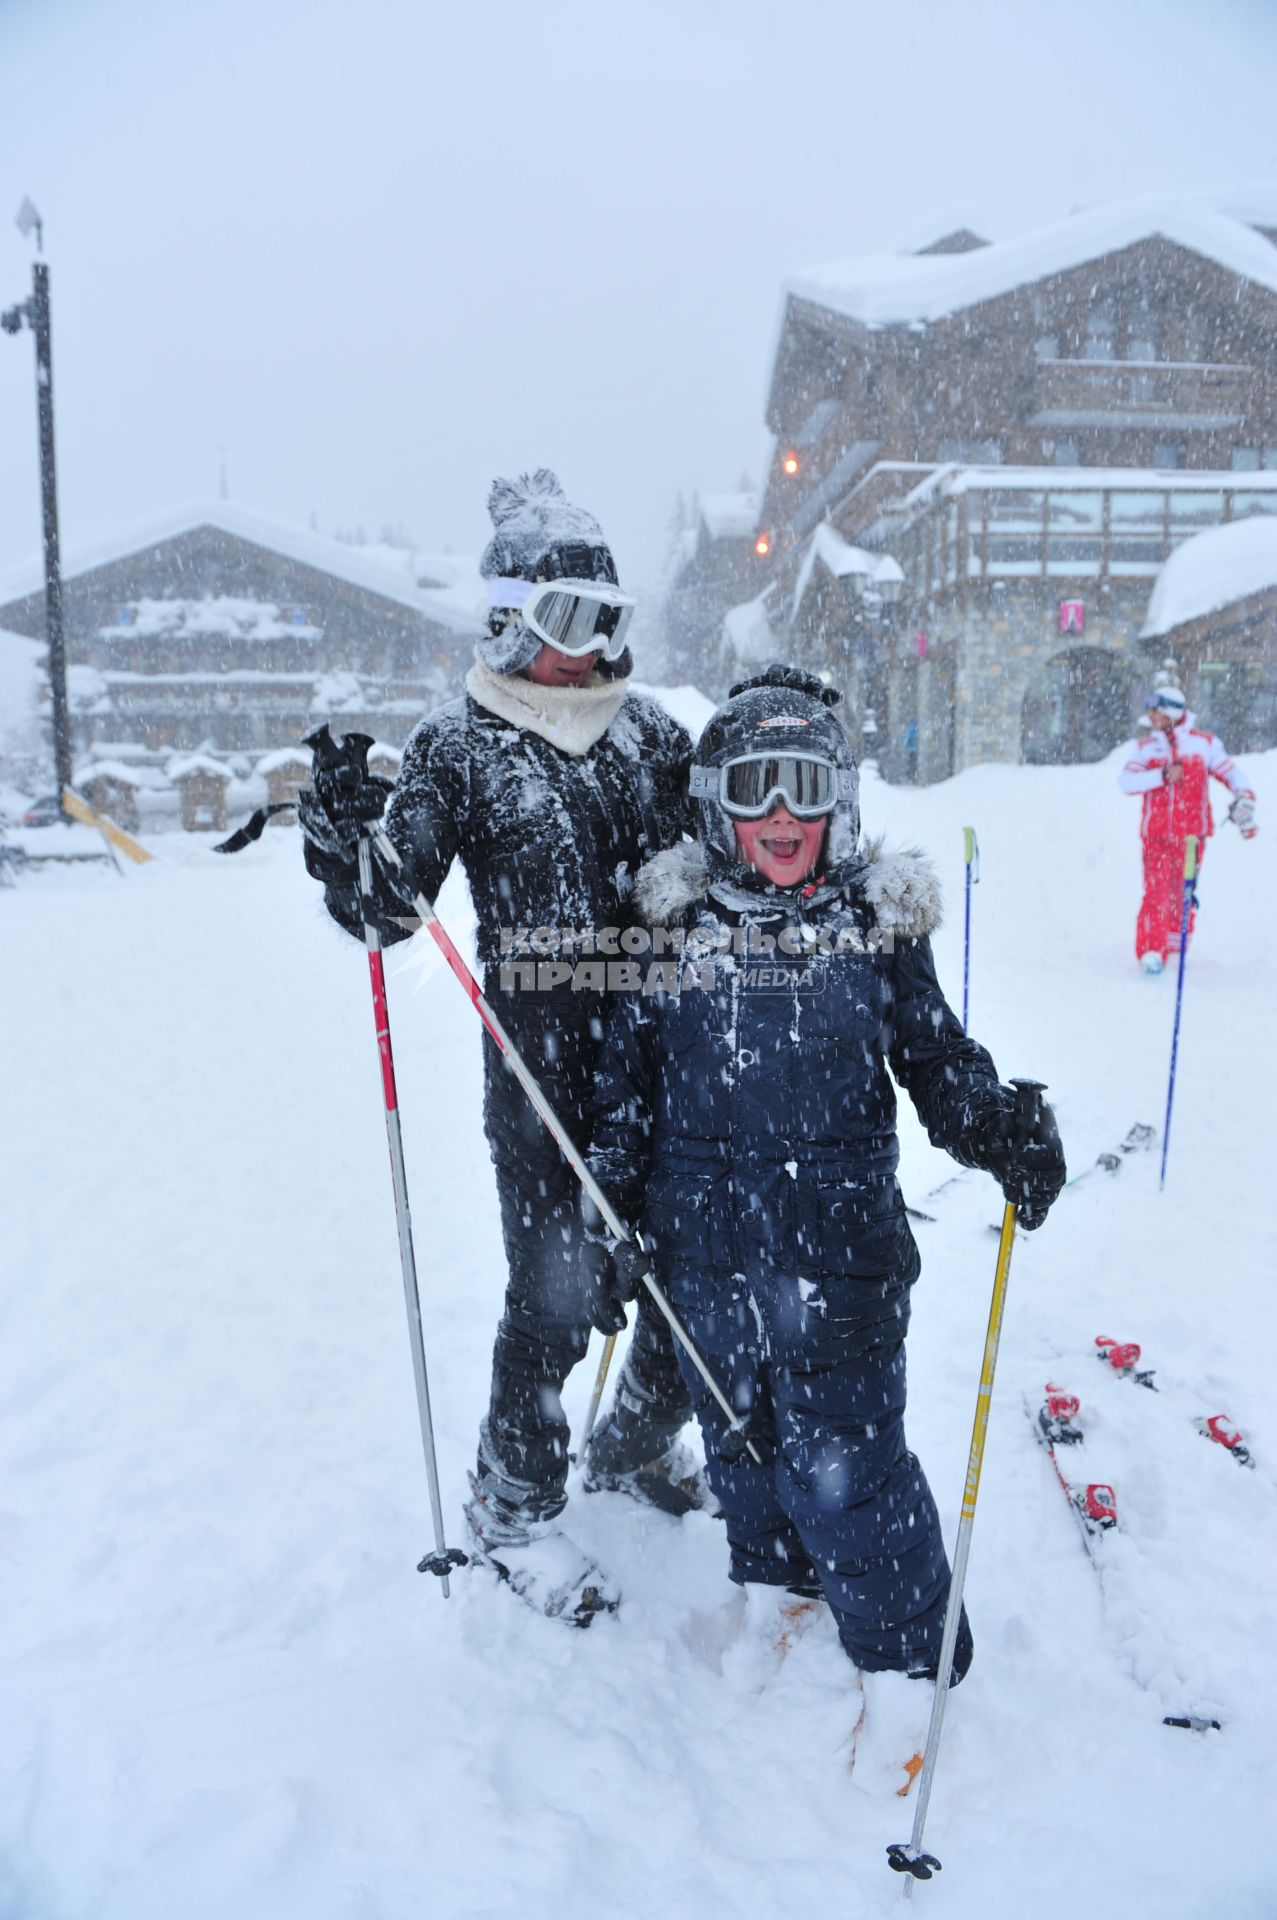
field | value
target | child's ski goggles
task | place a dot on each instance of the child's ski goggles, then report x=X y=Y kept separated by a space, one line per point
x=750 y=785
x=573 y=616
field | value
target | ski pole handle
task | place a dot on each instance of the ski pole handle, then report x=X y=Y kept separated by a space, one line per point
x=1026 y=1115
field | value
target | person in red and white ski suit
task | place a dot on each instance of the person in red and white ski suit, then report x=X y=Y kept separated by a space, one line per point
x=1171 y=766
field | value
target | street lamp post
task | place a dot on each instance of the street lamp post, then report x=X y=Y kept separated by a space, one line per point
x=35 y=313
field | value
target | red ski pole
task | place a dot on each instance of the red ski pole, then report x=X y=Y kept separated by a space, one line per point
x=444 y=1558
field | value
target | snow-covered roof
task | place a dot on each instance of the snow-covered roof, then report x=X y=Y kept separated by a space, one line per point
x=1212 y=570
x=844 y=561
x=228 y=615
x=125 y=772
x=283 y=757
x=891 y=290
x=182 y=765
x=748 y=631
x=388 y=571
x=1254 y=201
x=728 y=516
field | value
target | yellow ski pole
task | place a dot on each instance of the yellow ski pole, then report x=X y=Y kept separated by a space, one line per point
x=911 y=1860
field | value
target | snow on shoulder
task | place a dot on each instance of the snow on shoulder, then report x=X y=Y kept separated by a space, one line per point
x=1211 y=571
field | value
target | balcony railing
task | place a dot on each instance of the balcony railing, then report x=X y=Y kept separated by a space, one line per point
x=972 y=528
x=1063 y=390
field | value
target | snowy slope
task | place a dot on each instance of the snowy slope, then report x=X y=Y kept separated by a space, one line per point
x=226 y=1689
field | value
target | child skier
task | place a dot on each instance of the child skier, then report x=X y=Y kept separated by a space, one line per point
x=1171 y=766
x=746 y=1123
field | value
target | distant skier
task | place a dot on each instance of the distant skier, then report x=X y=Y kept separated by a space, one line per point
x=551 y=782
x=746 y=1122
x=1171 y=766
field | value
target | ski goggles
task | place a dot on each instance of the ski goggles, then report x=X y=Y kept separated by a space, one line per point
x=749 y=786
x=573 y=616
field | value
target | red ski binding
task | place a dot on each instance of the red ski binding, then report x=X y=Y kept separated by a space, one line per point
x=1221 y=1429
x=1097 y=1505
x=1124 y=1358
x=1056 y=1418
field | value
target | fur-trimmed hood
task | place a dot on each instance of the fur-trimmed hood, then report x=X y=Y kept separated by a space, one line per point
x=902 y=887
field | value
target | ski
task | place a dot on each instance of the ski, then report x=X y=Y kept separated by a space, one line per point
x=1122 y=1358
x=1093 y=1503
x=1056 y=1425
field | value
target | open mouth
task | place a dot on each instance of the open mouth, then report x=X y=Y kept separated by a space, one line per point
x=783 y=849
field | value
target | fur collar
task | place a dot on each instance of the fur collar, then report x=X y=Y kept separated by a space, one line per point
x=570 y=718
x=902 y=887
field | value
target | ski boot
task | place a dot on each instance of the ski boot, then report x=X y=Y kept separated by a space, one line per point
x=536 y=1559
x=631 y=1453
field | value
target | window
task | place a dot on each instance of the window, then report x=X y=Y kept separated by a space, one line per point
x=1067 y=453
x=1101 y=332
x=1251 y=459
x=1047 y=346
x=1192 y=346
x=1143 y=332
x=983 y=453
x=1168 y=453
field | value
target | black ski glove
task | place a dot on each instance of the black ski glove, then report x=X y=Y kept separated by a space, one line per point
x=1030 y=1172
x=614 y=1273
x=344 y=796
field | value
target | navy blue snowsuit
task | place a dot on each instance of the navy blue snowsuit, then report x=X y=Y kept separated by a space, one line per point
x=749 y=1127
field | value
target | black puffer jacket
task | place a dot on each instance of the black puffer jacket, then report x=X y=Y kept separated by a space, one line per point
x=547 y=838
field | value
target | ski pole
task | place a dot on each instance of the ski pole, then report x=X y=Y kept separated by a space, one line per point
x=600 y=1381
x=911 y=1860
x=444 y=1558
x=1185 y=913
x=971 y=854
x=567 y=1146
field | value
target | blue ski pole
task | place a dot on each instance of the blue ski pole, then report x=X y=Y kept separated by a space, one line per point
x=971 y=854
x=1190 y=875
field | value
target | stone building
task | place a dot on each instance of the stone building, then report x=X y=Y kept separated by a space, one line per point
x=213 y=627
x=1029 y=429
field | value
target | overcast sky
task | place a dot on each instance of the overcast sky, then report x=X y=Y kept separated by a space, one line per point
x=379 y=252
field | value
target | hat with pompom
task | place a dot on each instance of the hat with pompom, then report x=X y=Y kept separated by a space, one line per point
x=538 y=535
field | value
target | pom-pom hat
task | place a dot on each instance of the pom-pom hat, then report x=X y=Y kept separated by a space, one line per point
x=538 y=535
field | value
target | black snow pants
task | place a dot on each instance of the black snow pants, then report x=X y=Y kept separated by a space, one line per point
x=544 y=1330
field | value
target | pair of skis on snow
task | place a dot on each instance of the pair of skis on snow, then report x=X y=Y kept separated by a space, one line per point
x=1060 y=1429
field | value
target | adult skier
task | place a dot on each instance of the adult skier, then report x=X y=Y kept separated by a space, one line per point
x=745 y=1121
x=1171 y=766
x=551 y=782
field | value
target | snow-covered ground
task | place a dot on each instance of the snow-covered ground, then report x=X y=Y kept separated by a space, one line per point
x=226 y=1689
